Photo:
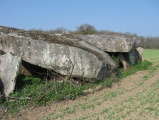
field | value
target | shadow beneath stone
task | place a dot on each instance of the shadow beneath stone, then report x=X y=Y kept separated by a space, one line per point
x=1 y=88
x=28 y=69
x=2 y=52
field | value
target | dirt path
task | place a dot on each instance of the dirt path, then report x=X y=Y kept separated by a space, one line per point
x=134 y=98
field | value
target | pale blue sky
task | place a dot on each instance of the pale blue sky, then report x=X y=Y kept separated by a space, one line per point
x=134 y=16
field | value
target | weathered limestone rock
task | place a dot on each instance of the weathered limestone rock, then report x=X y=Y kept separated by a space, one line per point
x=111 y=43
x=140 y=51
x=133 y=57
x=123 y=60
x=117 y=44
x=64 y=54
x=9 y=68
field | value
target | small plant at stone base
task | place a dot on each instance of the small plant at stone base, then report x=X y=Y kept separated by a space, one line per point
x=34 y=91
x=106 y=82
x=116 y=60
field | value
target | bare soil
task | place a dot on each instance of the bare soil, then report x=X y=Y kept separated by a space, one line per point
x=134 y=98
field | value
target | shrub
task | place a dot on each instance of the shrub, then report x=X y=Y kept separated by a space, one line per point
x=86 y=29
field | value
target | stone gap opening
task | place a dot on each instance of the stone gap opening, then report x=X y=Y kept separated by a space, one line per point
x=30 y=69
x=116 y=55
x=2 y=52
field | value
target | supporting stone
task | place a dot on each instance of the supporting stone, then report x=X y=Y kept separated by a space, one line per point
x=123 y=60
x=140 y=51
x=9 y=68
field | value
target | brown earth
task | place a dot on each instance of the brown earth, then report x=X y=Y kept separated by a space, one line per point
x=134 y=98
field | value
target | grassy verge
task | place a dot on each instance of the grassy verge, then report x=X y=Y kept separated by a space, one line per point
x=150 y=54
x=140 y=66
x=33 y=91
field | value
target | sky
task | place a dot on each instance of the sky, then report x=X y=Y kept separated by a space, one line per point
x=132 y=16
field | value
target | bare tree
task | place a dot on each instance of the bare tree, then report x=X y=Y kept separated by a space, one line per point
x=151 y=43
x=86 y=29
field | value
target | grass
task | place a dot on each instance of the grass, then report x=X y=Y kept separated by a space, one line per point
x=104 y=111
x=34 y=91
x=143 y=102
x=140 y=66
x=149 y=54
x=87 y=106
x=68 y=110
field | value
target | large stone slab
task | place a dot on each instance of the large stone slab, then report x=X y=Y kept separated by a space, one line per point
x=112 y=43
x=9 y=69
x=125 y=47
x=64 y=54
x=133 y=57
